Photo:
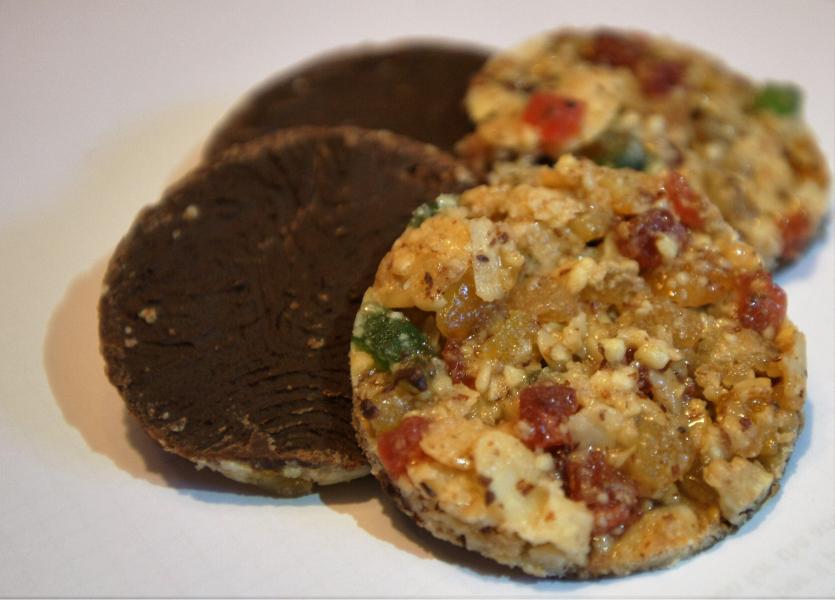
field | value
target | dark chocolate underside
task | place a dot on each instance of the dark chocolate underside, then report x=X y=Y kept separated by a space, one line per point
x=228 y=315
x=415 y=90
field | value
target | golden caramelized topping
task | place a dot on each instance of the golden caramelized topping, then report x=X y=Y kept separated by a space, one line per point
x=630 y=101
x=565 y=359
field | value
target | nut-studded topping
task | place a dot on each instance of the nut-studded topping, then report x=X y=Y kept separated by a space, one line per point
x=593 y=401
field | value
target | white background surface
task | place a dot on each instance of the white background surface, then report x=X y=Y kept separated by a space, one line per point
x=102 y=105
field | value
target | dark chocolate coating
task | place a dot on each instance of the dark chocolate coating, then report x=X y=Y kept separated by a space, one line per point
x=413 y=89
x=227 y=312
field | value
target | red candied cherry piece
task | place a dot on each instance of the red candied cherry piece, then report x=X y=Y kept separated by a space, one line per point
x=616 y=50
x=795 y=229
x=658 y=76
x=610 y=494
x=636 y=238
x=545 y=408
x=456 y=364
x=762 y=303
x=558 y=118
x=686 y=202
x=400 y=447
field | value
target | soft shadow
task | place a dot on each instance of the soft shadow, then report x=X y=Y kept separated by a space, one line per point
x=805 y=267
x=804 y=440
x=377 y=515
x=89 y=403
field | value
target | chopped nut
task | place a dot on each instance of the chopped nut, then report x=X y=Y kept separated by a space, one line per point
x=315 y=343
x=513 y=376
x=148 y=314
x=191 y=212
x=545 y=463
x=653 y=354
x=741 y=484
x=178 y=425
x=614 y=349
x=667 y=246
x=578 y=277
x=485 y=374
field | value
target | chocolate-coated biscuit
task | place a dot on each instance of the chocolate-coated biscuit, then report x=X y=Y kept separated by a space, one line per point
x=226 y=313
x=415 y=89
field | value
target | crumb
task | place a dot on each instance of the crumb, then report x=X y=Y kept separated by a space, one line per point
x=191 y=212
x=148 y=314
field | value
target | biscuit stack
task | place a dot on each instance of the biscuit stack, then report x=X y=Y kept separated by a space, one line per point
x=574 y=359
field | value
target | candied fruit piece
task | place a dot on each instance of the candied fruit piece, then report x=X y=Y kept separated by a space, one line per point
x=694 y=487
x=456 y=364
x=694 y=283
x=546 y=408
x=686 y=202
x=619 y=150
x=512 y=340
x=390 y=338
x=463 y=310
x=558 y=118
x=663 y=455
x=400 y=447
x=761 y=303
x=783 y=99
x=795 y=229
x=616 y=50
x=658 y=76
x=545 y=299
x=611 y=495
x=388 y=408
x=637 y=237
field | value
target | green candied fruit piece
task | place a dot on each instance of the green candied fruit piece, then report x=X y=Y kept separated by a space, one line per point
x=389 y=337
x=780 y=98
x=619 y=150
x=429 y=209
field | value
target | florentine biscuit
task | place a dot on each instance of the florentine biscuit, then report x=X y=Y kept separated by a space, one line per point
x=630 y=100
x=585 y=377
